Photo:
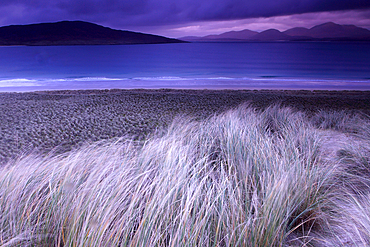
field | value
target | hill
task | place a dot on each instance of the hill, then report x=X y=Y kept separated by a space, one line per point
x=232 y=36
x=331 y=31
x=74 y=33
x=324 y=32
x=270 y=35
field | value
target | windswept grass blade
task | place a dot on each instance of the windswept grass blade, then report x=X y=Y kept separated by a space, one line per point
x=244 y=177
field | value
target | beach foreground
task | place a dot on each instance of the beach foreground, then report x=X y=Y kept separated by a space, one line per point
x=185 y=168
x=59 y=121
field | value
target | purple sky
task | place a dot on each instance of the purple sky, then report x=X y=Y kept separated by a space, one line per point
x=177 y=18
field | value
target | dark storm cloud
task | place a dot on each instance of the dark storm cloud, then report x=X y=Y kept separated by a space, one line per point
x=161 y=12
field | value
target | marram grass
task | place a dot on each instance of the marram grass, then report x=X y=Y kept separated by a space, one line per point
x=241 y=178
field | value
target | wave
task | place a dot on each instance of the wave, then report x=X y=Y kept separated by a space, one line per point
x=162 y=78
x=176 y=78
x=19 y=82
x=38 y=82
x=88 y=79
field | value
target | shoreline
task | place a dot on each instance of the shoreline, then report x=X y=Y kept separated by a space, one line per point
x=114 y=90
x=183 y=83
x=96 y=87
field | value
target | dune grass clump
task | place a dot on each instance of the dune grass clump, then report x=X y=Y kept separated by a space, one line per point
x=353 y=122
x=245 y=177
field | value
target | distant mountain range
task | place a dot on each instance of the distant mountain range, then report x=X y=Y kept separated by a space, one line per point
x=74 y=33
x=325 y=32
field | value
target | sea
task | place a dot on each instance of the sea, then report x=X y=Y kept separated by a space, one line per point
x=277 y=65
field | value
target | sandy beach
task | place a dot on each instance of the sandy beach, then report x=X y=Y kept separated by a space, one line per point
x=200 y=167
x=61 y=120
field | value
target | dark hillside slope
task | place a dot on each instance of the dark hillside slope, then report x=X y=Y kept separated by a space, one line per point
x=74 y=33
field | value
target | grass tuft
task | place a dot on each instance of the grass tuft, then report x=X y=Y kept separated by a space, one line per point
x=244 y=177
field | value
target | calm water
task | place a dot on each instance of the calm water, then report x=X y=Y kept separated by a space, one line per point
x=193 y=65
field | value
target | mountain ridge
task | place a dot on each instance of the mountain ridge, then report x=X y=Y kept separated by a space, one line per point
x=74 y=33
x=328 y=31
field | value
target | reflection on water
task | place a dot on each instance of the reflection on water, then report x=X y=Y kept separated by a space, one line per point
x=310 y=65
